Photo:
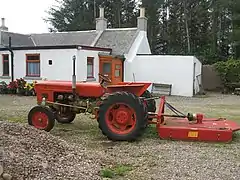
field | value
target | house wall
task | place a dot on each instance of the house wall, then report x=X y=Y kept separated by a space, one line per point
x=61 y=68
x=82 y=57
x=139 y=46
x=175 y=70
x=144 y=47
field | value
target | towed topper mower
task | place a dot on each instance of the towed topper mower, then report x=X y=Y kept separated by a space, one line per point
x=123 y=111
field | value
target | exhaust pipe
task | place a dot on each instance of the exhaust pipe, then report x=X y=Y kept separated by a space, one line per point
x=74 y=82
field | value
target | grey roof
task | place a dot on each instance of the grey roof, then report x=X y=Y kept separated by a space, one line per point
x=18 y=40
x=120 y=40
x=84 y=38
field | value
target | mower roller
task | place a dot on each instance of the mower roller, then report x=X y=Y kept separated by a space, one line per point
x=123 y=111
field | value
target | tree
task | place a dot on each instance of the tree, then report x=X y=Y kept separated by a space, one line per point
x=72 y=15
x=236 y=27
x=208 y=29
x=153 y=8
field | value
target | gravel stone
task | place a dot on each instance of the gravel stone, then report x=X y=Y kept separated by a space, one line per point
x=1 y=170
x=7 y=176
x=33 y=154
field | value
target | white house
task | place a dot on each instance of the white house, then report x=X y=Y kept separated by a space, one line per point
x=123 y=54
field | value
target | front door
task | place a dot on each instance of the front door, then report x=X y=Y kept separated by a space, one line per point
x=111 y=67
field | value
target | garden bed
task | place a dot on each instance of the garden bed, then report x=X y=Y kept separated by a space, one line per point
x=19 y=86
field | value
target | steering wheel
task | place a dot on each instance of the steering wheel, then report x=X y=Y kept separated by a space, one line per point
x=105 y=78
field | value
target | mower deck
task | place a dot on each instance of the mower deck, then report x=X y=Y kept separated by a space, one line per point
x=181 y=127
x=209 y=130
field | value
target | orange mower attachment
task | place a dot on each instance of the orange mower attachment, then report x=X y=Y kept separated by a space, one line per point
x=192 y=127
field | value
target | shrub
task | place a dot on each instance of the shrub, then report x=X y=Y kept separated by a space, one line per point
x=20 y=87
x=29 y=89
x=229 y=72
x=3 y=88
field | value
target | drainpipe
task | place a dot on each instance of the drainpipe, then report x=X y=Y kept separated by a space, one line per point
x=12 y=56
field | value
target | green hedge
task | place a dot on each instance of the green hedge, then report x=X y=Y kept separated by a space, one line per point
x=229 y=72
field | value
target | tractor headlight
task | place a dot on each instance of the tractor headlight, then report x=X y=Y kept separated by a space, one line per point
x=43 y=103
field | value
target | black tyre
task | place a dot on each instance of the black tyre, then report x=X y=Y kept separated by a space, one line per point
x=146 y=114
x=122 y=117
x=151 y=104
x=65 y=118
x=41 y=118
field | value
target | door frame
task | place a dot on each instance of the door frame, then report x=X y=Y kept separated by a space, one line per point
x=110 y=58
x=194 y=78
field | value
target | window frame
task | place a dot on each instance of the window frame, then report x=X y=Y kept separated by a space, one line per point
x=33 y=61
x=90 y=60
x=3 y=61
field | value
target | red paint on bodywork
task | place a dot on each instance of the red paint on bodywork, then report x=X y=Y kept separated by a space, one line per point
x=85 y=89
x=203 y=129
x=136 y=88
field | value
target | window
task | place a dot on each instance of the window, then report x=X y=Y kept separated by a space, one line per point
x=5 y=58
x=107 y=68
x=50 y=62
x=117 y=70
x=90 y=73
x=33 y=65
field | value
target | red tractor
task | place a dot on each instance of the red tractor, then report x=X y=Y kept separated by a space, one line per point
x=119 y=110
x=122 y=110
x=121 y=114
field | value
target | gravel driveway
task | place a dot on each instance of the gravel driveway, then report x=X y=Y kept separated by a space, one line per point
x=150 y=157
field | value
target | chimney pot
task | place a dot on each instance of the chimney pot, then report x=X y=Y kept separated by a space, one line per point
x=3 y=27
x=142 y=12
x=101 y=22
x=101 y=14
x=142 y=20
x=3 y=22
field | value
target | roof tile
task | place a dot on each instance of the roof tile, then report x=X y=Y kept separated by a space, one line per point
x=119 y=40
x=84 y=38
x=18 y=40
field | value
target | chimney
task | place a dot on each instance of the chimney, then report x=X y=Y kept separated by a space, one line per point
x=142 y=20
x=3 y=27
x=101 y=22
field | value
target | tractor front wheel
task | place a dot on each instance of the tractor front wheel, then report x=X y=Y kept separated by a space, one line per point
x=41 y=118
x=122 y=117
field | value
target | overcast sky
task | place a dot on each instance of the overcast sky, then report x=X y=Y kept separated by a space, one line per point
x=25 y=16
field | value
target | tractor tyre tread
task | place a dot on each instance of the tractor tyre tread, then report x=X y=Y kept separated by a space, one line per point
x=133 y=101
x=145 y=112
x=151 y=104
x=47 y=111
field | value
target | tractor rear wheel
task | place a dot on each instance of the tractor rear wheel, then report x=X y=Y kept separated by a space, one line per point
x=41 y=118
x=122 y=117
x=151 y=104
